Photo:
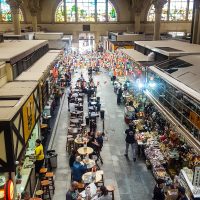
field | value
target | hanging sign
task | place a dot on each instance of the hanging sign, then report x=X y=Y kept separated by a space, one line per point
x=29 y=117
x=9 y=190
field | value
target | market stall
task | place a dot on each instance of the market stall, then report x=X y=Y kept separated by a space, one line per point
x=19 y=55
x=19 y=128
x=40 y=71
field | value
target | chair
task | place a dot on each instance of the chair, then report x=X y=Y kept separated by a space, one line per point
x=70 y=145
x=80 y=186
x=42 y=173
x=49 y=176
x=101 y=182
x=39 y=193
x=45 y=187
x=111 y=190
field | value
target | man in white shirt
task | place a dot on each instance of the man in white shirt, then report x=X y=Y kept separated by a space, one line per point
x=72 y=106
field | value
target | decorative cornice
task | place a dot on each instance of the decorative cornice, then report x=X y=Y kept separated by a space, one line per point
x=159 y=4
x=137 y=5
x=34 y=7
x=14 y=5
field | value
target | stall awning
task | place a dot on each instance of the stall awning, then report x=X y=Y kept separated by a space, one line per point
x=170 y=48
x=177 y=83
x=184 y=69
x=135 y=55
x=40 y=68
x=12 y=97
x=10 y=49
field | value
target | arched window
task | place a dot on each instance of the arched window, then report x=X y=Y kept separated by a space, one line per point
x=5 y=12
x=112 y=14
x=85 y=11
x=174 y=10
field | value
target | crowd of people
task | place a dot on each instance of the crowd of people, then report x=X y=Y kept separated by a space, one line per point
x=82 y=88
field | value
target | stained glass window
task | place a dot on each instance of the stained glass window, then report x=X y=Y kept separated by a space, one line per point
x=177 y=11
x=6 y=14
x=59 y=16
x=190 y=11
x=71 y=10
x=86 y=11
x=112 y=14
x=101 y=10
x=151 y=13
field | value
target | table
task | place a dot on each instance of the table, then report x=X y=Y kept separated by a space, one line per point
x=73 y=130
x=90 y=163
x=77 y=113
x=42 y=126
x=80 y=141
x=93 y=191
x=93 y=103
x=74 y=121
x=87 y=177
x=85 y=150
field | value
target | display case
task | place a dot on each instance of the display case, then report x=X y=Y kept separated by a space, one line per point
x=185 y=180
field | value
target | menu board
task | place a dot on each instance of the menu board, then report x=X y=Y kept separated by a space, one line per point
x=29 y=116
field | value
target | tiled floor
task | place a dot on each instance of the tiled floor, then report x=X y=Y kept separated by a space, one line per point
x=132 y=180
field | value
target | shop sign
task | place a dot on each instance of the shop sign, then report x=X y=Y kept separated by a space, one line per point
x=29 y=117
x=9 y=190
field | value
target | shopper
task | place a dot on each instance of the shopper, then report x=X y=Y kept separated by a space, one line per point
x=78 y=169
x=158 y=192
x=39 y=154
x=104 y=194
x=119 y=95
x=99 y=139
x=72 y=158
x=181 y=194
x=130 y=140
x=72 y=193
x=25 y=195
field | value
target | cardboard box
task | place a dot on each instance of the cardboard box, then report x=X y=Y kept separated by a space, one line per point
x=172 y=194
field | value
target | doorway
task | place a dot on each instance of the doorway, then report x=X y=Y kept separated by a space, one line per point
x=86 y=42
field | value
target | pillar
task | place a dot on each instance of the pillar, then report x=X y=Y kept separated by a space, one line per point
x=34 y=7
x=158 y=4
x=14 y=6
x=196 y=22
x=198 y=31
x=137 y=21
x=34 y=23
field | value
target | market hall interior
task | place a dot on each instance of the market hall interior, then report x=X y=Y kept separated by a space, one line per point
x=99 y=99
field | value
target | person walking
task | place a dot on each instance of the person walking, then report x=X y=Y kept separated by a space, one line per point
x=119 y=95
x=130 y=140
x=158 y=192
x=72 y=193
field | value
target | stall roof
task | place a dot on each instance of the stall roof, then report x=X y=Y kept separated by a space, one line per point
x=182 y=84
x=171 y=48
x=37 y=71
x=190 y=75
x=10 y=49
x=135 y=55
x=12 y=97
x=44 y=62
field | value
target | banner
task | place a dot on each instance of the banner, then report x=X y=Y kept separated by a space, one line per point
x=28 y=117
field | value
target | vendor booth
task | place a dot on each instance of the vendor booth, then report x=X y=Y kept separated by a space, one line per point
x=19 y=128
x=41 y=72
x=19 y=55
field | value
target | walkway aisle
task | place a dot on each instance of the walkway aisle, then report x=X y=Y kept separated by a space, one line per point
x=132 y=180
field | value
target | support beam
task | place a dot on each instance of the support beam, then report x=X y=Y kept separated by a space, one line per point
x=34 y=7
x=14 y=6
x=158 y=4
